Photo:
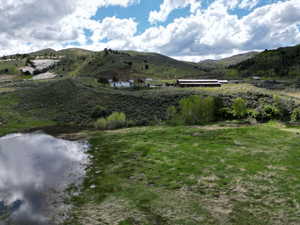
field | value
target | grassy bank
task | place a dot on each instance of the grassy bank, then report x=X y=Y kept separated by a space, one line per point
x=192 y=175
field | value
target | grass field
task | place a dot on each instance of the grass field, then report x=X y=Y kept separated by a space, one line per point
x=11 y=67
x=191 y=176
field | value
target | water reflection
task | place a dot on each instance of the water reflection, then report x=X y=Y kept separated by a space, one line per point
x=34 y=169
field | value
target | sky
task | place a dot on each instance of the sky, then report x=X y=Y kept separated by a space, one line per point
x=191 y=30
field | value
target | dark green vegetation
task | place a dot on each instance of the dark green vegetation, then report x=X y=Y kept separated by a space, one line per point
x=80 y=102
x=192 y=175
x=12 y=119
x=282 y=62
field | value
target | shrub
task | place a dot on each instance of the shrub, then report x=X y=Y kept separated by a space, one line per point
x=171 y=112
x=225 y=113
x=101 y=124
x=173 y=118
x=197 y=110
x=239 y=108
x=99 y=111
x=116 y=120
x=252 y=113
x=295 y=115
x=268 y=112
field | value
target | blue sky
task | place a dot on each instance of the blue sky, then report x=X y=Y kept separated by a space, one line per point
x=140 y=12
x=184 y=29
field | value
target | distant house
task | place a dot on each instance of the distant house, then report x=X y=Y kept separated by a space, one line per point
x=200 y=83
x=121 y=84
x=256 y=78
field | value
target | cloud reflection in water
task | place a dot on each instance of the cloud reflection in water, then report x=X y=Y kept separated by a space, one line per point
x=31 y=167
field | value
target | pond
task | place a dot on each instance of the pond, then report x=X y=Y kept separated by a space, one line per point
x=35 y=170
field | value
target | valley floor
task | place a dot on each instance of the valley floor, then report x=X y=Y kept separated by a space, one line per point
x=191 y=176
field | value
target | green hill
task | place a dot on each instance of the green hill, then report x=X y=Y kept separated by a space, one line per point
x=47 y=51
x=126 y=65
x=282 y=62
x=236 y=59
x=75 y=52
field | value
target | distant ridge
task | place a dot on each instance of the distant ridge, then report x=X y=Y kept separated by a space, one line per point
x=281 y=62
x=232 y=60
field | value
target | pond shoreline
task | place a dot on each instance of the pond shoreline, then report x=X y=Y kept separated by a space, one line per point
x=71 y=133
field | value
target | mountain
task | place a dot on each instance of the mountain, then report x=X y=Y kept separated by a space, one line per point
x=281 y=62
x=236 y=59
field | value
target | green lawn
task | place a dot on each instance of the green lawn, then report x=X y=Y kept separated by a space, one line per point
x=191 y=176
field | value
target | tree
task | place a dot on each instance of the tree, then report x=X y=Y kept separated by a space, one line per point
x=239 y=108
x=115 y=79
x=106 y=52
x=197 y=110
x=103 y=80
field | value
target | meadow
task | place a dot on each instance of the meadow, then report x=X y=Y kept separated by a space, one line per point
x=221 y=174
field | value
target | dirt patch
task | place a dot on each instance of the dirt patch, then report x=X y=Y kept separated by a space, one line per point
x=112 y=211
x=222 y=127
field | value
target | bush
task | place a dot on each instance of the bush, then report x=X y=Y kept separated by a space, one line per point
x=225 y=113
x=268 y=112
x=116 y=120
x=99 y=111
x=239 y=108
x=101 y=124
x=171 y=112
x=252 y=113
x=295 y=115
x=193 y=110
x=174 y=118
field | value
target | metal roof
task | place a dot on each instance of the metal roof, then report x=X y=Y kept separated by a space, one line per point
x=199 y=80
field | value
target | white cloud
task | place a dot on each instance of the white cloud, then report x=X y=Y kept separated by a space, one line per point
x=169 y=5
x=48 y=23
x=113 y=28
x=214 y=31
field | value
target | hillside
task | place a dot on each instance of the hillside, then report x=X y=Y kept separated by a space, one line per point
x=126 y=65
x=229 y=61
x=236 y=59
x=281 y=62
